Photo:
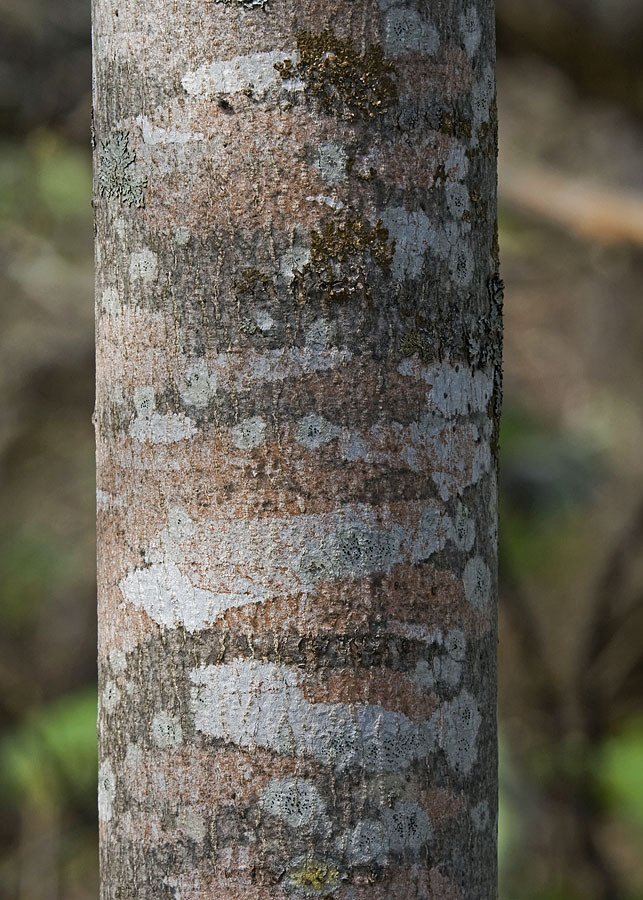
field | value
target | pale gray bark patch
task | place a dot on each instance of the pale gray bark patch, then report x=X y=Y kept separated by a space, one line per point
x=170 y=598
x=255 y=72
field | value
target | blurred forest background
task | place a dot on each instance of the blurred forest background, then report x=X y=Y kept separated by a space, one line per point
x=570 y=82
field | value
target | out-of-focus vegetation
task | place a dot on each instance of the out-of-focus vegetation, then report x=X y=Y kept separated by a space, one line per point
x=571 y=653
x=48 y=835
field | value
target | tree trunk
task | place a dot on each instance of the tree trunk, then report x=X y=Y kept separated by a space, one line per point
x=298 y=352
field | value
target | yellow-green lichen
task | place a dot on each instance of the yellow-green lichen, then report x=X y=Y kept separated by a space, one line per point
x=412 y=343
x=344 y=81
x=250 y=279
x=315 y=877
x=455 y=125
x=118 y=174
x=340 y=256
x=257 y=285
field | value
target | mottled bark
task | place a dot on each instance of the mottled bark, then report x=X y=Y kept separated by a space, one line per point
x=298 y=352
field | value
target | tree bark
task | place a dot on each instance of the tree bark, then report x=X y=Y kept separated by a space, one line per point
x=298 y=383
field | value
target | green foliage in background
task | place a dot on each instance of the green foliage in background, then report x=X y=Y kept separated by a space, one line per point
x=621 y=771
x=51 y=756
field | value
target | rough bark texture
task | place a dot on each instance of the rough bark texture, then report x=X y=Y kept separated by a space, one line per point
x=298 y=351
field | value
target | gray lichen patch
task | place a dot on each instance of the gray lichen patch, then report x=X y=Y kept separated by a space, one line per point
x=118 y=174
x=462 y=264
x=117 y=661
x=447 y=671
x=247 y=3
x=111 y=302
x=455 y=643
x=367 y=842
x=414 y=234
x=197 y=387
x=182 y=235
x=145 y=401
x=405 y=828
x=295 y=801
x=331 y=162
x=354 y=549
x=166 y=731
x=458 y=200
x=294 y=261
x=133 y=756
x=313 y=431
x=190 y=823
x=432 y=534
x=241 y=702
x=470 y=30
x=153 y=427
x=480 y=816
x=110 y=697
x=143 y=266
x=460 y=721
x=106 y=791
x=407 y=31
x=482 y=96
x=441 y=670
x=463 y=533
x=344 y=81
x=477 y=582
x=249 y=434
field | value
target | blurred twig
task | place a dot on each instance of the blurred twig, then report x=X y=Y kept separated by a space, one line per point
x=533 y=648
x=592 y=211
x=611 y=585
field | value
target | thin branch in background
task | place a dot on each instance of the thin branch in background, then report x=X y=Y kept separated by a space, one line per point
x=622 y=654
x=593 y=211
x=516 y=605
x=611 y=583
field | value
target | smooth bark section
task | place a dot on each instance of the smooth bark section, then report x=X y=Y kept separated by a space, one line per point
x=299 y=322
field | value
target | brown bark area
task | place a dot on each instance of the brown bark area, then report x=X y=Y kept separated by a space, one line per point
x=298 y=356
